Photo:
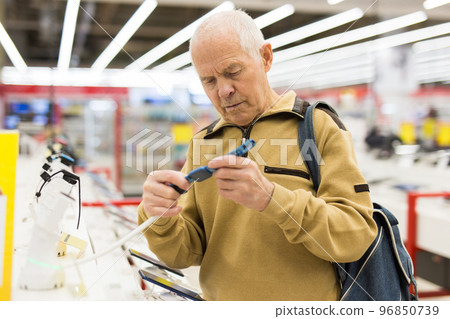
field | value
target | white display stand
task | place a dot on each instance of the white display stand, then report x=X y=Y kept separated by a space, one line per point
x=111 y=277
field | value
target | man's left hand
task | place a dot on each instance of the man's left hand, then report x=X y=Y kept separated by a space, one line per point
x=239 y=179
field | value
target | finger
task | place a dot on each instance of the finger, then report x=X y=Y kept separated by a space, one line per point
x=228 y=161
x=171 y=177
x=226 y=173
x=227 y=184
x=243 y=173
x=158 y=201
x=152 y=187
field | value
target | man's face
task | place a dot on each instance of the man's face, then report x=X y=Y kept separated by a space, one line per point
x=235 y=82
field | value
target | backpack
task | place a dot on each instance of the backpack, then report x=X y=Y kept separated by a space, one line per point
x=385 y=271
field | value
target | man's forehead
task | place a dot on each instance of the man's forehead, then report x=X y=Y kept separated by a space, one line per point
x=219 y=68
x=218 y=58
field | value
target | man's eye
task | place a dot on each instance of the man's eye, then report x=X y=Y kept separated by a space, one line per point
x=236 y=73
x=208 y=81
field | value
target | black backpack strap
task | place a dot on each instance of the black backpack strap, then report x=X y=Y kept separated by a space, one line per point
x=306 y=133
x=307 y=139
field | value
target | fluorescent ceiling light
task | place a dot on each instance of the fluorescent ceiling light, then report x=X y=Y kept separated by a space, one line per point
x=345 y=83
x=444 y=56
x=124 y=35
x=315 y=28
x=344 y=79
x=401 y=39
x=349 y=36
x=176 y=40
x=274 y=16
x=339 y=78
x=362 y=48
x=433 y=67
x=431 y=45
x=86 y=77
x=434 y=80
x=365 y=48
x=175 y=63
x=411 y=36
x=11 y=50
x=330 y=56
x=68 y=33
x=356 y=79
x=261 y=22
x=326 y=72
x=434 y=77
x=431 y=4
x=333 y=2
x=306 y=72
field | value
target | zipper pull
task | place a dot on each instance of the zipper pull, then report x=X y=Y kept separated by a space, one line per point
x=244 y=134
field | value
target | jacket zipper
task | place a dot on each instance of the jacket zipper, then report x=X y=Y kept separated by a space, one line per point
x=286 y=171
x=246 y=135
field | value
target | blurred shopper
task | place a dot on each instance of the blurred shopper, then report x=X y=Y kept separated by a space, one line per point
x=428 y=132
x=257 y=228
x=384 y=143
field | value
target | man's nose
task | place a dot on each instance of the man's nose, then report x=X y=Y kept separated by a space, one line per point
x=226 y=88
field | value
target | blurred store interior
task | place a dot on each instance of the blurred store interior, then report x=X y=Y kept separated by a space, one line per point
x=112 y=82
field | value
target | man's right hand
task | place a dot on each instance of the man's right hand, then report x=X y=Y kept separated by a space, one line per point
x=159 y=199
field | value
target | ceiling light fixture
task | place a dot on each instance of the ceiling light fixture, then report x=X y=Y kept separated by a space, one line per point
x=11 y=50
x=174 y=41
x=432 y=67
x=424 y=58
x=333 y=2
x=355 y=76
x=281 y=39
x=68 y=34
x=274 y=15
x=331 y=56
x=262 y=22
x=431 y=4
x=306 y=72
x=365 y=48
x=438 y=76
x=431 y=45
x=349 y=36
x=175 y=63
x=315 y=28
x=138 y=18
x=411 y=36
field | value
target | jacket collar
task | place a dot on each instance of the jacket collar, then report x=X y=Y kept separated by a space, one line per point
x=287 y=103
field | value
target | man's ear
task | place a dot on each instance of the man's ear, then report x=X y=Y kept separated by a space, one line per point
x=267 y=56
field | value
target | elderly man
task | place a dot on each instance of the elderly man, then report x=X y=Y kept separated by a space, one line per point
x=257 y=228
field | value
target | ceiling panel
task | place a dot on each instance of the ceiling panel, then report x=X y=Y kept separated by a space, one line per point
x=35 y=25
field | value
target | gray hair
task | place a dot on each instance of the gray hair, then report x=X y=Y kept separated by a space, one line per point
x=250 y=36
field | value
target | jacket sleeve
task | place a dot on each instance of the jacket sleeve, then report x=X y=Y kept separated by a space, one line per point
x=178 y=241
x=335 y=224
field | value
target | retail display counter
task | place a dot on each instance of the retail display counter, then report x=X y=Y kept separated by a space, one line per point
x=113 y=276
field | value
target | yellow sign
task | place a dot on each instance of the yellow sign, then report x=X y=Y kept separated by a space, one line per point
x=407 y=133
x=183 y=133
x=443 y=135
x=9 y=144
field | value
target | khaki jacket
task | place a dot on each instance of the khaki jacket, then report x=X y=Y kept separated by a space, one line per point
x=284 y=252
